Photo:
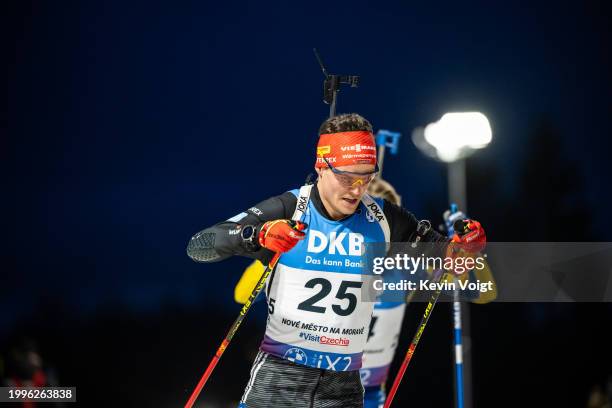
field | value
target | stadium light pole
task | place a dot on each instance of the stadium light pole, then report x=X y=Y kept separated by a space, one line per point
x=452 y=139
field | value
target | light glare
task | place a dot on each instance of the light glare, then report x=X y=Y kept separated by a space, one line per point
x=457 y=132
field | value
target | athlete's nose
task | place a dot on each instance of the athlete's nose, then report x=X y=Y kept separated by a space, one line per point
x=357 y=189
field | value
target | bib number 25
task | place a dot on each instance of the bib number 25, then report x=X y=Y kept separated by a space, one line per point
x=326 y=287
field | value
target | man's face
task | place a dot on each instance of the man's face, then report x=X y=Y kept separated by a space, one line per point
x=341 y=193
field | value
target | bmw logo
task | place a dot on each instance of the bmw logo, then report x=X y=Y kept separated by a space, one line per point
x=296 y=355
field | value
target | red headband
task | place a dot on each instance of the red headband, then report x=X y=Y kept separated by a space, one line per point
x=346 y=148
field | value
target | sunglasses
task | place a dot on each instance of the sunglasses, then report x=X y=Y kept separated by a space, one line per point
x=351 y=178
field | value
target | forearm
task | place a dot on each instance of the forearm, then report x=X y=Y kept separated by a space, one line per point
x=217 y=243
x=223 y=240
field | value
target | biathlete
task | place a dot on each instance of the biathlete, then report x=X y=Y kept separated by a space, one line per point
x=387 y=316
x=318 y=326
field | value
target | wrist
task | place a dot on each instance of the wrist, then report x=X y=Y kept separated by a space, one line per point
x=249 y=235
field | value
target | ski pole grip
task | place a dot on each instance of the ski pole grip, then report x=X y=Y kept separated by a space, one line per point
x=460 y=227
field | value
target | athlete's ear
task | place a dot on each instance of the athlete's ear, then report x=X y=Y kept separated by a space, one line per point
x=318 y=170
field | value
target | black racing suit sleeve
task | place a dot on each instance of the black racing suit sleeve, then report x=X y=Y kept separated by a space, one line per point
x=403 y=225
x=223 y=240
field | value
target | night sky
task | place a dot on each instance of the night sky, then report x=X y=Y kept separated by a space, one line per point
x=129 y=126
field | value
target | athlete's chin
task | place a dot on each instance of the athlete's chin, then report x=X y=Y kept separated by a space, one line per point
x=348 y=207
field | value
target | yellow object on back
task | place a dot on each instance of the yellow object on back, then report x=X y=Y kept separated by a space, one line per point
x=248 y=281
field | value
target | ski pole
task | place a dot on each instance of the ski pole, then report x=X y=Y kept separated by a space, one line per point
x=458 y=348
x=230 y=334
x=457 y=335
x=439 y=276
x=415 y=340
x=422 y=229
x=234 y=328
